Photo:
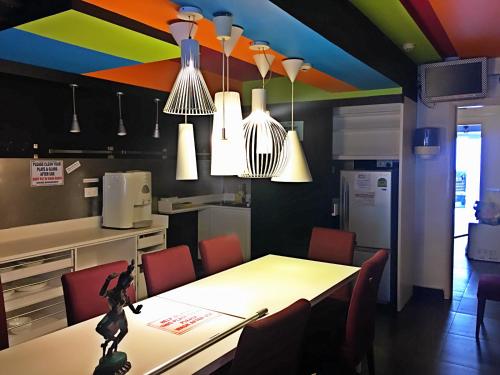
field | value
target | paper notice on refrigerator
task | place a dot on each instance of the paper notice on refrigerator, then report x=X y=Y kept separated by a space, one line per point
x=184 y=321
x=364 y=199
x=363 y=182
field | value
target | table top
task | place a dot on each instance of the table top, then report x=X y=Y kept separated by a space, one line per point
x=273 y=282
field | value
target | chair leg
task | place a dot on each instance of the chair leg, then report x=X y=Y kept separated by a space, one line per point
x=481 y=304
x=370 y=359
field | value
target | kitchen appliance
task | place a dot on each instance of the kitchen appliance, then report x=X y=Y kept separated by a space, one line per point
x=126 y=200
x=368 y=201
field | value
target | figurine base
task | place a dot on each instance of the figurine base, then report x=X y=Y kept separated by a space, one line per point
x=114 y=364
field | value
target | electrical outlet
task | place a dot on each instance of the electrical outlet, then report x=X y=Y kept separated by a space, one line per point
x=90 y=192
x=384 y=163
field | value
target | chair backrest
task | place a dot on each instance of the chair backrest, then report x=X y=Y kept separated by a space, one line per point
x=4 y=336
x=167 y=269
x=272 y=345
x=332 y=245
x=220 y=253
x=81 y=291
x=360 y=325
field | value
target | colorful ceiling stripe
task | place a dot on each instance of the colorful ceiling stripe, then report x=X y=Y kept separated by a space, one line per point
x=20 y=46
x=391 y=17
x=156 y=14
x=85 y=31
x=424 y=16
x=472 y=26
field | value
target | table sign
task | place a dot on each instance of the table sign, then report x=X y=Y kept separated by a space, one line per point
x=180 y=323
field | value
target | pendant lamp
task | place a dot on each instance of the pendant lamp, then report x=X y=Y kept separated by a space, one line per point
x=264 y=137
x=189 y=94
x=296 y=168
x=227 y=156
x=186 y=153
x=121 y=126
x=75 y=126
x=156 y=133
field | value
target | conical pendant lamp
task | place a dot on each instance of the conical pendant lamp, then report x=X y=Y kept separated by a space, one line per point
x=186 y=153
x=227 y=156
x=122 y=131
x=296 y=168
x=264 y=137
x=75 y=126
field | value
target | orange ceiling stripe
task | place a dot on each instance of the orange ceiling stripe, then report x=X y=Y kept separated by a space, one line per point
x=159 y=75
x=471 y=25
x=157 y=13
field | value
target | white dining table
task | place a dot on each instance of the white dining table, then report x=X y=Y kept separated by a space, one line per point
x=272 y=282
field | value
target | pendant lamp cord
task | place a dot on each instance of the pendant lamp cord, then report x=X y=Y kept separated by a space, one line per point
x=74 y=104
x=292 y=105
x=156 y=101
x=223 y=94
x=120 y=105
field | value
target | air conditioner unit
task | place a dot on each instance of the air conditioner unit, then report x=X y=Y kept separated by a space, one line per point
x=454 y=80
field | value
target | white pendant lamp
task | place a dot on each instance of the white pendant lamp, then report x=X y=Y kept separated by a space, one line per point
x=227 y=156
x=75 y=126
x=264 y=137
x=186 y=153
x=296 y=168
x=156 y=133
x=121 y=126
x=189 y=95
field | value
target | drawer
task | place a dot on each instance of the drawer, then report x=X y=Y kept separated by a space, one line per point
x=151 y=239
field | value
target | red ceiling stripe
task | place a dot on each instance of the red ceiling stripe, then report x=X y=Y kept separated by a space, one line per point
x=423 y=14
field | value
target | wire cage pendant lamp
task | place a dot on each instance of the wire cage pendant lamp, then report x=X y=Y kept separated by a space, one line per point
x=264 y=137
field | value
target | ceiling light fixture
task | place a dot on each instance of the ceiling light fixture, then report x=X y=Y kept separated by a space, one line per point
x=75 y=126
x=186 y=168
x=227 y=156
x=264 y=137
x=121 y=126
x=189 y=94
x=156 y=133
x=296 y=168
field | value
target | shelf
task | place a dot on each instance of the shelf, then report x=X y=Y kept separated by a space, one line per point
x=365 y=157
x=38 y=328
x=23 y=299
x=32 y=268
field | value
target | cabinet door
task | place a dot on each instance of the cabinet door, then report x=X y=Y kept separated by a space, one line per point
x=218 y=221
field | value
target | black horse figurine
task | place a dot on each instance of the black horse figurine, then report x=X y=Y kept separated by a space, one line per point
x=112 y=361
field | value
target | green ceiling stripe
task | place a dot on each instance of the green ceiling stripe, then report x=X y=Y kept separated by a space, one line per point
x=278 y=91
x=391 y=17
x=85 y=31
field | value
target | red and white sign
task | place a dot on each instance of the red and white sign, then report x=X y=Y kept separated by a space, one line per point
x=47 y=173
x=182 y=322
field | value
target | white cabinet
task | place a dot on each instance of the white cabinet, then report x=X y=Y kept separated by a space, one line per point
x=220 y=220
x=33 y=259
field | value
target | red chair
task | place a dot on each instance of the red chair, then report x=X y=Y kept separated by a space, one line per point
x=81 y=291
x=167 y=269
x=488 y=287
x=220 y=253
x=4 y=335
x=272 y=345
x=333 y=246
x=345 y=349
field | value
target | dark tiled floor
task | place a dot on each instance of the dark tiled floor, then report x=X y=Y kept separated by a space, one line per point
x=432 y=336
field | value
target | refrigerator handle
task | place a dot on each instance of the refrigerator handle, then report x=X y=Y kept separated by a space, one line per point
x=342 y=202
x=346 y=220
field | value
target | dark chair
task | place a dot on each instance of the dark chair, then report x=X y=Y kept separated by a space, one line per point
x=167 y=269
x=488 y=287
x=220 y=253
x=81 y=291
x=343 y=349
x=333 y=246
x=4 y=336
x=272 y=344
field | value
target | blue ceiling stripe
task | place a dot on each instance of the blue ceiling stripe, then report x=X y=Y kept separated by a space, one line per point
x=264 y=20
x=28 y=48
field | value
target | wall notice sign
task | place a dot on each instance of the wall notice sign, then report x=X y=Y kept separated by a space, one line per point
x=47 y=173
x=363 y=182
x=182 y=322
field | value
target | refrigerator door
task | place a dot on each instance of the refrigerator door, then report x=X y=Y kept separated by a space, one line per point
x=366 y=207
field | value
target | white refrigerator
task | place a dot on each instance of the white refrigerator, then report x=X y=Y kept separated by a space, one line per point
x=366 y=209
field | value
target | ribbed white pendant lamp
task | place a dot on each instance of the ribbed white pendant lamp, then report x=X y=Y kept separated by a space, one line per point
x=75 y=126
x=189 y=95
x=227 y=156
x=265 y=148
x=296 y=168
